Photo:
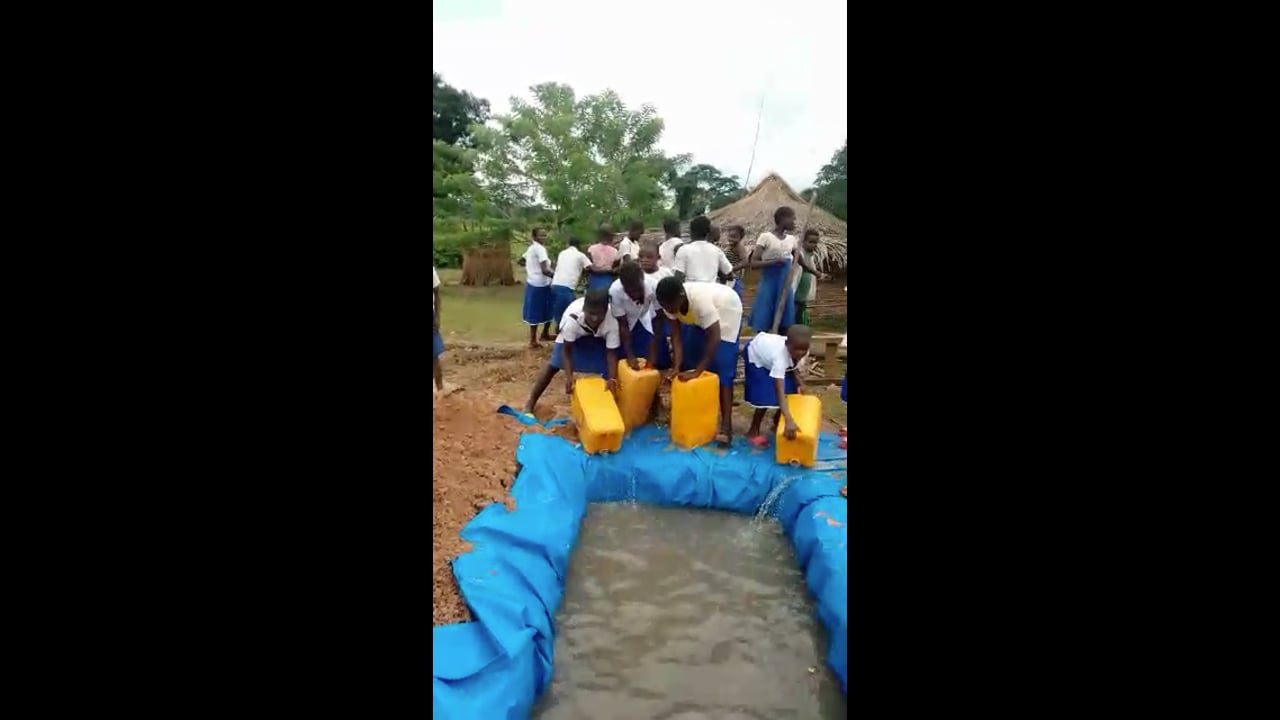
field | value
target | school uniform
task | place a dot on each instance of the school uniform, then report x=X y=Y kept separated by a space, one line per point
x=667 y=252
x=569 y=266
x=629 y=248
x=586 y=345
x=640 y=319
x=711 y=303
x=602 y=259
x=766 y=359
x=537 y=286
x=773 y=284
x=700 y=261
x=437 y=342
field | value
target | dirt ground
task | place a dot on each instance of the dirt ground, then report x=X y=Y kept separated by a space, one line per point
x=473 y=460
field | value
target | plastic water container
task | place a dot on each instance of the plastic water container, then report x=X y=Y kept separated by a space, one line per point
x=636 y=391
x=695 y=410
x=596 y=415
x=803 y=451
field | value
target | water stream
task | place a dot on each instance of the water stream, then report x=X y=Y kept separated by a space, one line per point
x=682 y=614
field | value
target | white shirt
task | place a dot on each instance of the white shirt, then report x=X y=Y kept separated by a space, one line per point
x=435 y=283
x=700 y=261
x=667 y=252
x=711 y=303
x=571 y=327
x=627 y=247
x=772 y=247
x=533 y=259
x=569 y=266
x=621 y=304
x=769 y=351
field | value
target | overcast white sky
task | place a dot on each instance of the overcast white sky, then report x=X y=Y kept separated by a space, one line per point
x=703 y=63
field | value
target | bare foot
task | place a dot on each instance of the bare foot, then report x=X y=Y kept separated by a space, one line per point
x=723 y=438
x=844 y=491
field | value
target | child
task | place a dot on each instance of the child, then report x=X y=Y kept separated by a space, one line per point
x=631 y=300
x=437 y=343
x=648 y=261
x=714 y=314
x=736 y=255
x=807 y=288
x=629 y=246
x=569 y=266
x=604 y=260
x=587 y=342
x=773 y=253
x=537 y=288
x=769 y=363
x=844 y=385
x=667 y=250
x=699 y=260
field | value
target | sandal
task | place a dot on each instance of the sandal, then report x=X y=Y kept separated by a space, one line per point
x=758 y=441
x=844 y=444
x=843 y=432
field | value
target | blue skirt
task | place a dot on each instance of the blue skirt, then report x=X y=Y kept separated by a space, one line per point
x=773 y=282
x=640 y=344
x=561 y=299
x=737 y=287
x=844 y=389
x=437 y=343
x=537 y=304
x=600 y=280
x=725 y=362
x=759 y=391
x=587 y=354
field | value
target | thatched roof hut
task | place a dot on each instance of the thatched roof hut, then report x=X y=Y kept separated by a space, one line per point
x=754 y=211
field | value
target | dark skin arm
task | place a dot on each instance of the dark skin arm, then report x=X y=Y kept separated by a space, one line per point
x=795 y=254
x=653 y=348
x=624 y=334
x=566 y=359
x=790 y=429
x=610 y=362
x=713 y=344
x=677 y=349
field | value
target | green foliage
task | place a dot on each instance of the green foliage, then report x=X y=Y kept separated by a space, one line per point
x=462 y=214
x=833 y=184
x=454 y=111
x=700 y=187
x=583 y=161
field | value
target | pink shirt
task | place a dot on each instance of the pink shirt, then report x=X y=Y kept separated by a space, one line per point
x=602 y=257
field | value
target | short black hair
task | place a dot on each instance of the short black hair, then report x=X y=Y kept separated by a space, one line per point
x=630 y=274
x=741 y=231
x=782 y=212
x=534 y=232
x=574 y=241
x=669 y=288
x=671 y=226
x=636 y=225
x=810 y=233
x=699 y=227
x=596 y=299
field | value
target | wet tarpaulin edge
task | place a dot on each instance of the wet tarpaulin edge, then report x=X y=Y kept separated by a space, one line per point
x=513 y=579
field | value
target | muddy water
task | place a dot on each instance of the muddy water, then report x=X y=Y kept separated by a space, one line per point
x=684 y=614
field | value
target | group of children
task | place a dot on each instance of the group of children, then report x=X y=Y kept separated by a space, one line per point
x=677 y=305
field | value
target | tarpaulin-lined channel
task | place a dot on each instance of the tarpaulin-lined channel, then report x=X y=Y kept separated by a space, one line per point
x=513 y=579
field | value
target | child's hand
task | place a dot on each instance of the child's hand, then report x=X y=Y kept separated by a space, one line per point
x=633 y=363
x=568 y=384
x=668 y=374
x=790 y=430
x=688 y=375
x=611 y=385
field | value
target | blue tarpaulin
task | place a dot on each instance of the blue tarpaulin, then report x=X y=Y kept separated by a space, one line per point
x=513 y=579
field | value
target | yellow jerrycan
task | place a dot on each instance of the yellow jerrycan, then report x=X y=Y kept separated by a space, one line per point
x=803 y=451
x=596 y=415
x=695 y=410
x=636 y=391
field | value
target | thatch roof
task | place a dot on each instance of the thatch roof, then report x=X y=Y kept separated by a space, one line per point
x=754 y=211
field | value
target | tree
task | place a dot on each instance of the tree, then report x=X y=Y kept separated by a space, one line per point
x=454 y=111
x=700 y=187
x=585 y=160
x=832 y=184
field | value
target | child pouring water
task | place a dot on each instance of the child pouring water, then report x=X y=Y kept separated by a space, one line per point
x=769 y=364
x=588 y=341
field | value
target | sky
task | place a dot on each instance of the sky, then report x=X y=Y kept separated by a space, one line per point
x=704 y=64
